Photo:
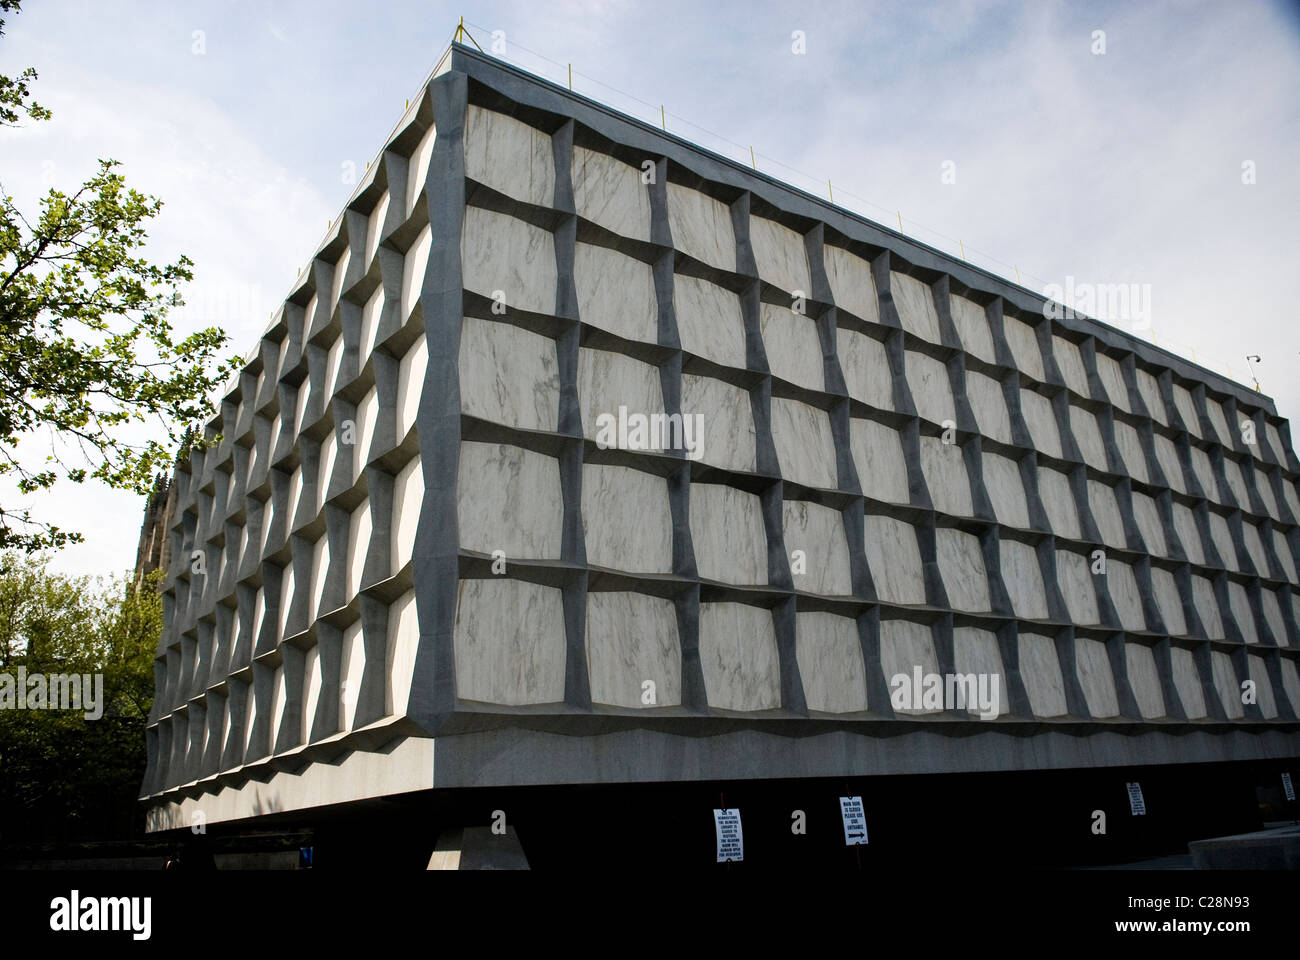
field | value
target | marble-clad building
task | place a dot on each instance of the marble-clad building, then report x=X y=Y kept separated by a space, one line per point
x=415 y=560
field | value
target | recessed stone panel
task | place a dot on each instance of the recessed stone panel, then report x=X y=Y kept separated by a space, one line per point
x=607 y=381
x=1075 y=579
x=780 y=255
x=509 y=156
x=1040 y=670
x=616 y=293
x=805 y=447
x=945 y=476
x=972 y=325
x=617 y=506
x=701 y=227
x=1187 y=680
x=631 y=639
x=894 y=559
x=738 y=657
x=1144 y=680
x=905 y=646
x=1023 y=579
x=1041 y=420
x=989 y=406
x=504 y=257
x=852 y=284
x=878 y=457
x=508 y=375
x=508 y=498
x=794 y=352
x=1169 y=601
x=931 y=389
x=1058 y=501
x=709 y=321
x=1207 y=607
x=509 y=642
x=830 y=662
x=728 y=534
x=728 y=421
x=1006 y=491
x=961 y=563
x=818 y=532
x=610 y=192
x=1069 y=361
x=1112 y=378
x=915 y=304
x=1105 y=510
x=1092 y=665
x=866 y=369
x=1225 y=684
x=1024 y=347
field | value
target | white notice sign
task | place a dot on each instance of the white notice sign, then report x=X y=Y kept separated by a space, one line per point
x=1286 y=785
x=1135 y=801
x=855 y=821
x=731 y=841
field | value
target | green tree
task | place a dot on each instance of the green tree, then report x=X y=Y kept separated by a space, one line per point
x=86 y=349
x=63 y=776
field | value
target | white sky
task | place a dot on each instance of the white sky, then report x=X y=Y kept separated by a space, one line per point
x=1124 y=167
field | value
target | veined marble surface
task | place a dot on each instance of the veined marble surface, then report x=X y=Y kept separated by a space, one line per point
x=945 y=476
x=1222 y=538
x=508 y=498
x=1149 y=388
x=781 y=256
x=728 y=534
x=989 y=406
x=1188 y=534
x=972 y=325
x=1024 y=579
x=1167 y=456
x=1024 y=347
x=866 y=368
x=1130 y=448
x=1144 y=680
x=1083 y=425
x=1074 y=575
x=1149 y=525
x=830 y=662
x=931 y=388
x=626 y=519
x=1112 y=378
x=508 y=375
x=1070 y=362
x=794 y=351
x=1124 y=594
x=1169 y=601
x=1093 y=667
x=915 y=305
x=1058 y=502
x=1040 y=669
x=709 y=321
x=616 y=293
x=804 y=444
x=608 y=380
x=894 y=560
x=1204 y=473
x=1041 y=420
x=1105 y=510
x=500 y=252
x=1187 y=681
x=1187 y=410
x=1207 y=607
x=878 y=458
x=852 y=284
x=738 y=657
x=632 y=638
x=1239 y=603
x=510 y=156
x=509 y=642
x=903 y=647
x=701 y=227
x=1263 y=686
x=610 y=192
x=1225 y=684
x=1006 y=491
x=819 y=532
x=729 y=436
x=962 y=565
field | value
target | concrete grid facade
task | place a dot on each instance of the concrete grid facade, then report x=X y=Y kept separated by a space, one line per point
x=345 y=634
